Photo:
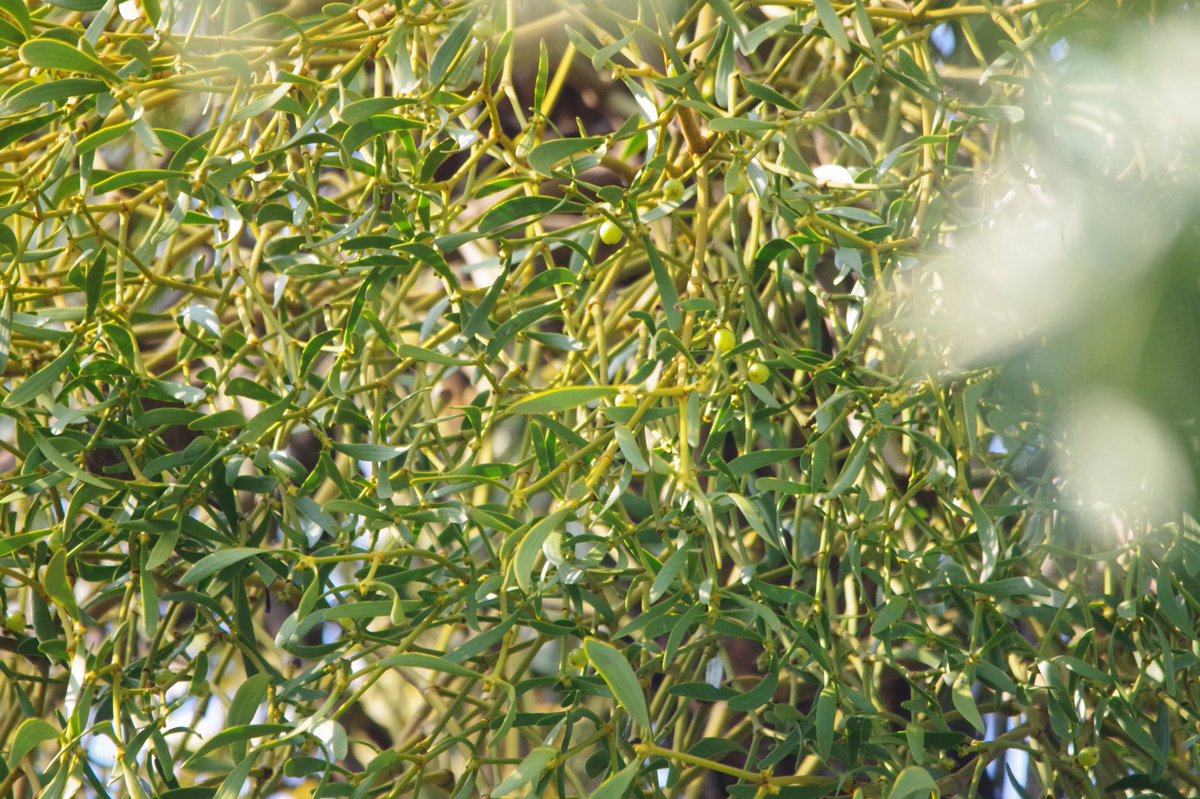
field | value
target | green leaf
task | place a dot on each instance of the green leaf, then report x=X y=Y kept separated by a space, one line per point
x=914 y=735
x=790 y=487
x=422 y=355
x=262 y=104
x=11 y=543
x=481 y=642
x=361 y=110
x=617 y=786
x=54 y=91
x=964 y=702
x=853 y=467
x=603 y=57
x=914 y=782
x=78 y=5
x=523 y=209
x=1085 y=669
x=311 y=512
x=41 y=381
x=29 y=735
x=376 y=453
x=246 y=701
x=629 y=447
x=543 y=74
x=136 y=177
x=989 y=541
x=1011 y=586
x=826 y=714
x=58 y=585
x=741 y=125
x=94 y=283
x=891 y=612
x=214 y=562
x=233 y=735
x=768 y=95
x=996 y=113
x=665 y=284
x=560 y=399
x=867 y=29
x=221 y=420
x=528 y=772
x=668 y=573
x=531 y=545
x=231 y=786
x=616 y=672
x=546 y=155
x=264 y=421
x=55 y=54
x=6 y=318
x=1171 y=605
x=753 y=461
x=164 y=547
x=449 y=52
x=832 y=24
x=19 y=11
x=97 y=139
x=757 y=696
x=416 y=660
x=754 y=515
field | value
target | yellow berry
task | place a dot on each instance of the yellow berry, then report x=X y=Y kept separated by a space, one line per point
x=723 y=340
x=673 y=190
x=610 y=233
x=15 y=622
x=757 y=372
x=1088 y=757
x=577 y=659
x=626 y=400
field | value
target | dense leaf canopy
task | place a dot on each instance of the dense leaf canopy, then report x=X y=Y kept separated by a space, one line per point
x=763 y=398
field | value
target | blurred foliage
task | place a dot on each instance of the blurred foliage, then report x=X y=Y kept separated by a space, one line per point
x=592 y=399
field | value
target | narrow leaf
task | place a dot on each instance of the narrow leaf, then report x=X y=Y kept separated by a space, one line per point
x=560 y=399
x=31 y=733
x=216 y=561
x=531 y=545
x=832 y=24
x=416 y=660
x=618 y=785
x=669 y=572
x=55 y=54
x=528 y=772
x=40 y=382
x=546 y=155
x=666 y=285
x=964 y=702
x=615 y=670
